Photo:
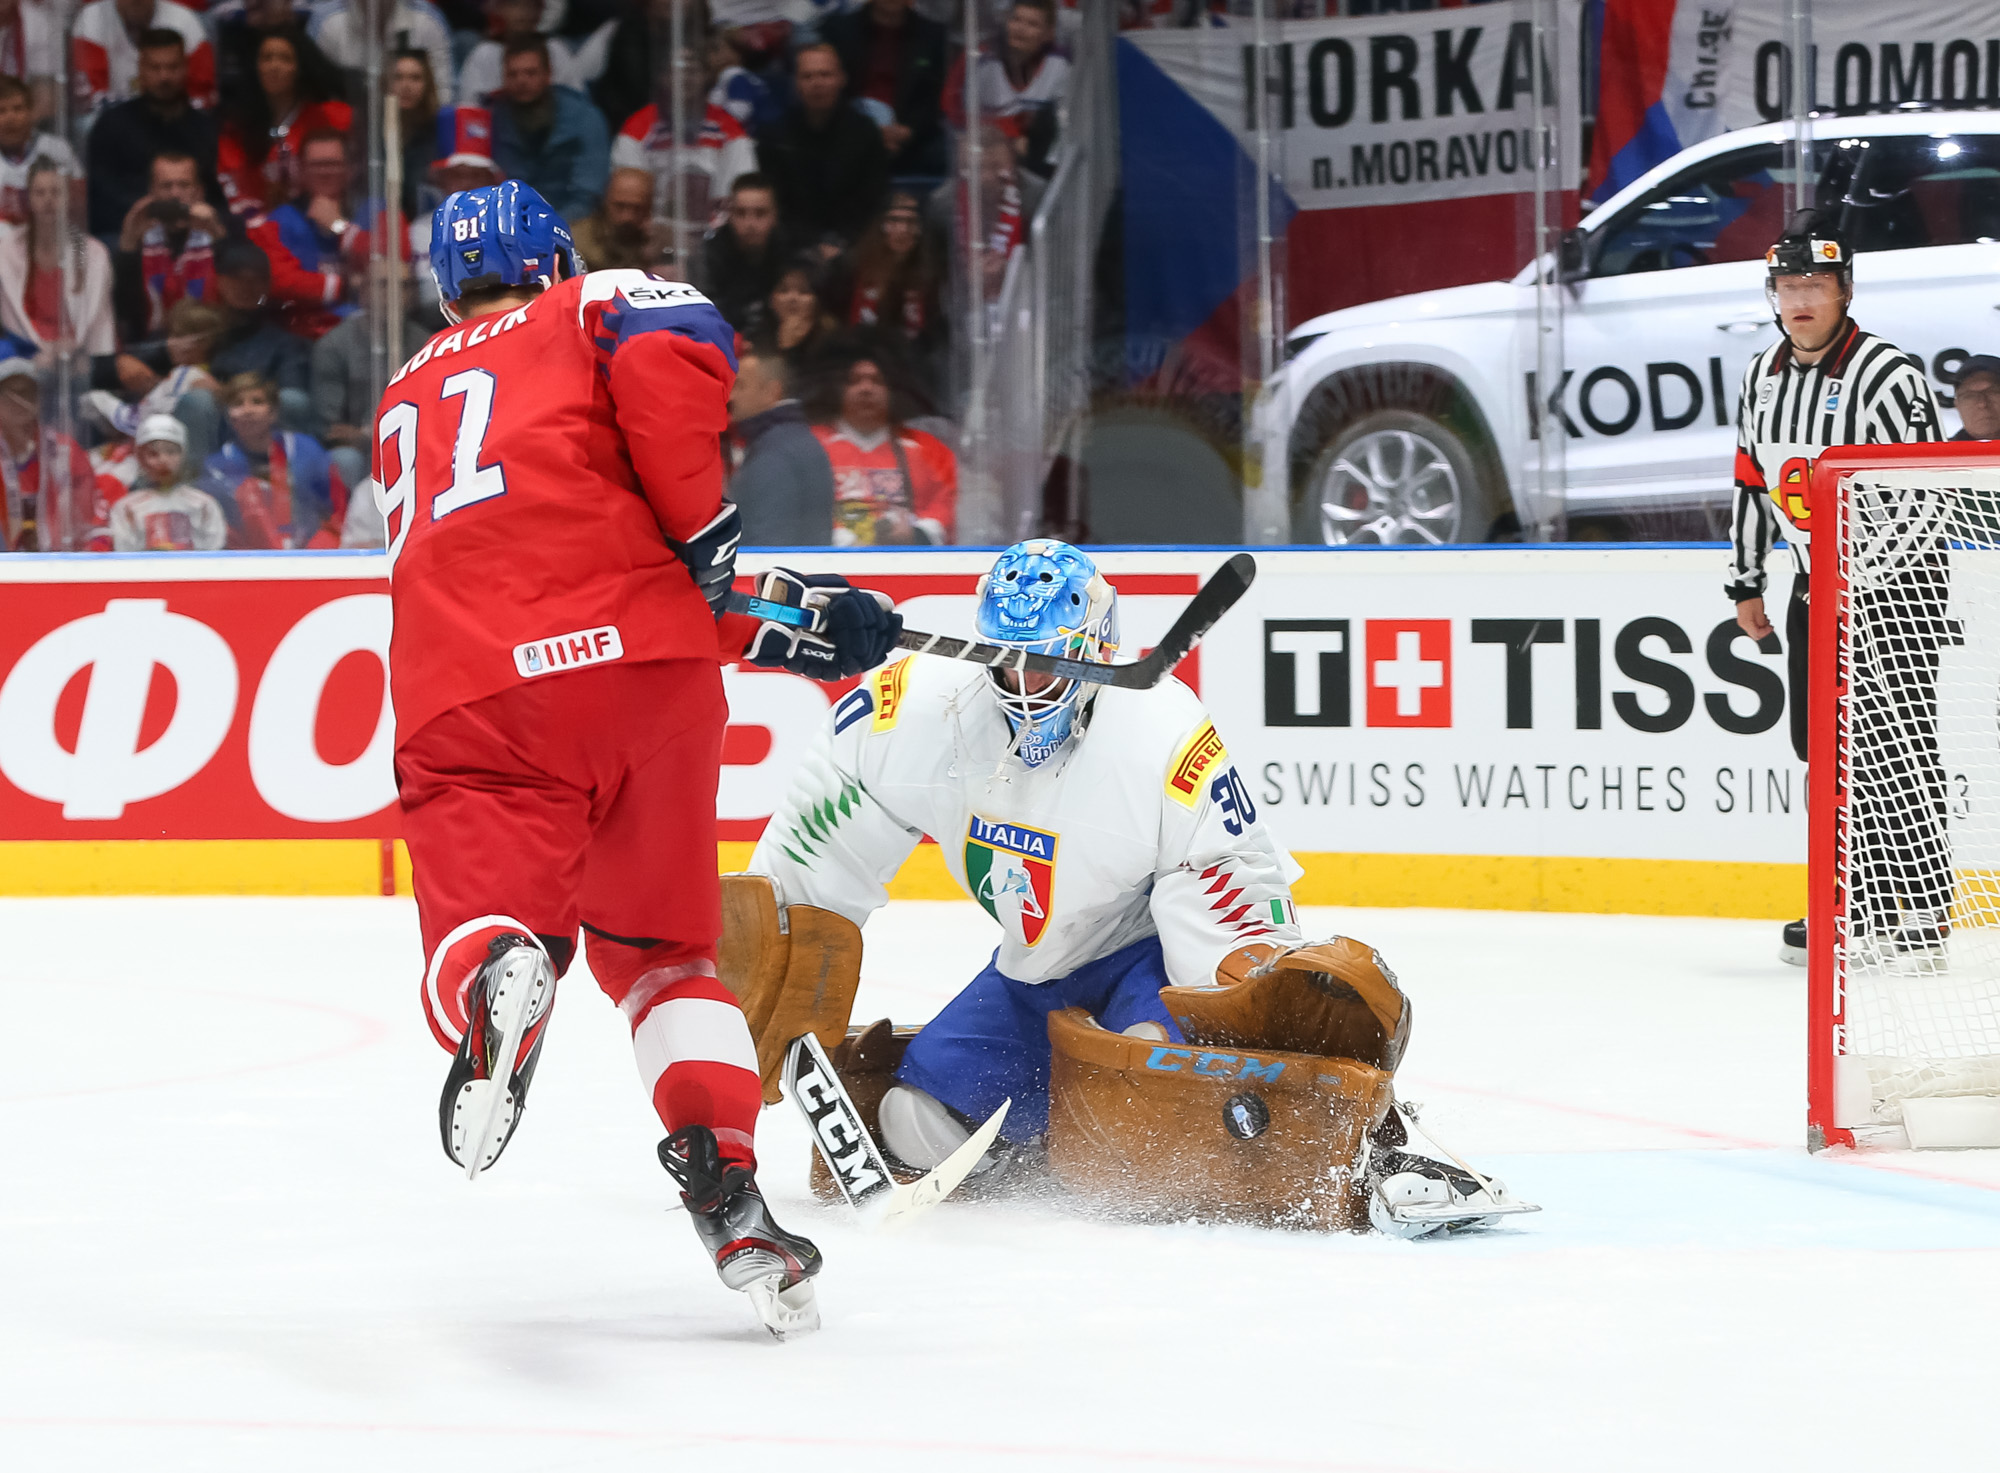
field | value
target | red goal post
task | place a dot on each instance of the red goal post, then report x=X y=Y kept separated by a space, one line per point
x=1903 y=797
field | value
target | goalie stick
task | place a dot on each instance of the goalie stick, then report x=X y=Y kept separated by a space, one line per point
x=850 y=1151
x=1211 y=601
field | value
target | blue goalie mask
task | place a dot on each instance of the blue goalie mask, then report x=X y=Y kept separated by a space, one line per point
x=504 y=234
x=1045 y=596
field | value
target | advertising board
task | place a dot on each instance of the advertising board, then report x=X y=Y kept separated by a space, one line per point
x=1568 y=728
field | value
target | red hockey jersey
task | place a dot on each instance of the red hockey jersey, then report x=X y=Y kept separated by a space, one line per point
x=533 y=464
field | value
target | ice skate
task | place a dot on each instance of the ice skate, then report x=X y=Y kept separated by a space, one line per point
x=1918 y=940
x=1413 y=1193
x=507 y=1009
x=752 y=1253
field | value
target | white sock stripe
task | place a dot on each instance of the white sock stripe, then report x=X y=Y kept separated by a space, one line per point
x=686 y=1030
x=651 y=984
x=432 y=1001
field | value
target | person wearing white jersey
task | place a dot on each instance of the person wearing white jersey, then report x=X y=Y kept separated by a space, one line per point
x=1106 y=830
x=1827 y=382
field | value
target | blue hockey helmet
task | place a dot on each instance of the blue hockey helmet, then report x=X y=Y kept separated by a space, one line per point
x=1045 y=596
x=501 y=235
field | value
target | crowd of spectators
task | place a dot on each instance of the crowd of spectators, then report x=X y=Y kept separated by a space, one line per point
x=192 y=273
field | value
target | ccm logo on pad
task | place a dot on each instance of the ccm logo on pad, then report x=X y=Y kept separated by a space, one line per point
x=568 y=651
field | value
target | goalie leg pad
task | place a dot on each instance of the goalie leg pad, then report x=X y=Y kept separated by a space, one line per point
x=1261 y=1136
x=794 y=970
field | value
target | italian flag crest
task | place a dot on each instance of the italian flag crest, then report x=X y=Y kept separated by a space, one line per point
x=1011 y=870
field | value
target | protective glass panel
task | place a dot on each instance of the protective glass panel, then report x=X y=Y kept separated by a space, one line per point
x=1726 y=209
x=1911 y=192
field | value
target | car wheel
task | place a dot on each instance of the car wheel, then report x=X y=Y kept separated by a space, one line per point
x=1393 y=477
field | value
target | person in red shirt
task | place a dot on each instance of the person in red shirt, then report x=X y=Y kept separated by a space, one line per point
x=892 y=483
x=297 y=95
x=37 y=514
x=551 y=475
x=313 y=247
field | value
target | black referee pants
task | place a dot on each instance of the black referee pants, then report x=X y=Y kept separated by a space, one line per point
x=1898 y=800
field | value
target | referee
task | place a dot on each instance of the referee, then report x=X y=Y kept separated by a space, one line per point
x=1826 y=382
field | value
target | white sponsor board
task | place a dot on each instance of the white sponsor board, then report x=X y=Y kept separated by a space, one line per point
x=1559 y=702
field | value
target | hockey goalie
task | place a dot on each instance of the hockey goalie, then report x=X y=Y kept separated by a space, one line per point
x=1168 y=1040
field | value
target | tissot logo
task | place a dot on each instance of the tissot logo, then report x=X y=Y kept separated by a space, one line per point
x=1306 y=680
x=1409 y=672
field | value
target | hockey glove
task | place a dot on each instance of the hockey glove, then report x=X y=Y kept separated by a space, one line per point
x=711 y=555
x=856 y=633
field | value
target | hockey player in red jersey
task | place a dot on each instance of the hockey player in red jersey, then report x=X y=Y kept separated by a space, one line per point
x=551 y=479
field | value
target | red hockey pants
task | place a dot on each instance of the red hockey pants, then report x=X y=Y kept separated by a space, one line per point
x=589 y=798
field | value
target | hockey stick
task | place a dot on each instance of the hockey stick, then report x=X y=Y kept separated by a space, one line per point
x=850 y=1151
x=1211 y=601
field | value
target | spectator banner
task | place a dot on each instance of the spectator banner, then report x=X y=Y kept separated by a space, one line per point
x=1565 y=728
x=1400 y=156
x=1387 y=109
x=1677 y=71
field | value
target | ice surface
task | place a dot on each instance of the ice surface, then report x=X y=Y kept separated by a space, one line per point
x=230 y=1241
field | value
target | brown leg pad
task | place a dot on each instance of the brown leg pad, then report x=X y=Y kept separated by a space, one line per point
x=1167 y=1129
x=799 y=980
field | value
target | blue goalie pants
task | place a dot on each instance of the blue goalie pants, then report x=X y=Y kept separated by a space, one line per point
x=991 y=1042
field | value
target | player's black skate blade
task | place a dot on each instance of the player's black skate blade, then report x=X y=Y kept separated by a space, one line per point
x=509 y=998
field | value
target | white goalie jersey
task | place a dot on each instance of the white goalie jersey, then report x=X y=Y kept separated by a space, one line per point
x=1139 y=825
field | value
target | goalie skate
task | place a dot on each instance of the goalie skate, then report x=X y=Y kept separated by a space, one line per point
x=1413 y=1194
x=487 y=1087
x=752 y=1254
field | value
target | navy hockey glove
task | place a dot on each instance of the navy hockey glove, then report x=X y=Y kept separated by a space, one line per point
x=857 y=629
x=711 y=555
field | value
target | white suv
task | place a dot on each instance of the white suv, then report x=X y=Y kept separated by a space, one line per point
x=1408 y=420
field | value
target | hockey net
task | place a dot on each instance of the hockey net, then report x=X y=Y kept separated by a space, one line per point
x=1904 y=797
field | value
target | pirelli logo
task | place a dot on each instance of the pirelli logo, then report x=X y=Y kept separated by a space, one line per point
x=1197 y=755
x=889 y=683
x=568 y=651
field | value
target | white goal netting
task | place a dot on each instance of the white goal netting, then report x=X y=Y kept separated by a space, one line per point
x=1916 y=995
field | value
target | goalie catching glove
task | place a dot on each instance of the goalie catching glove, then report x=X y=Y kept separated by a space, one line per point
x=857 y=630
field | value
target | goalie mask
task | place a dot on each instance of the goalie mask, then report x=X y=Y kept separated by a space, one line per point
x=1046 y=597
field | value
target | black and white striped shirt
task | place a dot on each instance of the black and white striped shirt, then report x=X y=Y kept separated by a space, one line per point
x=1865 y=391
